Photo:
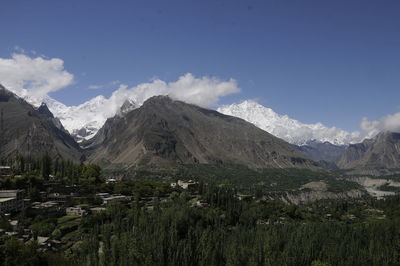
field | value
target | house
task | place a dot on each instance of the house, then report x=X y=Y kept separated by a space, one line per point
x=57 y=197
x=47 y=209
x=120 y=198
x=244 y=197
x=111 y=180
x=11 y=200
x=103 y=195
x=186 y=184
x=5 y=171
x=200 y=203
x=76 y=211
x=97 y=209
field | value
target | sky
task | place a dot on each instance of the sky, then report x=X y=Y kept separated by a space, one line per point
x=334 y=62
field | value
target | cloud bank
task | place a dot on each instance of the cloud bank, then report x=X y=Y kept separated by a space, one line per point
x=33 y=78
x=389 y=122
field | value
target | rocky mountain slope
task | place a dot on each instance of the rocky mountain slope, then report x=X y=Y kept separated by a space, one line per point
x=164 y=130
x=383 y=151
x=32 y=131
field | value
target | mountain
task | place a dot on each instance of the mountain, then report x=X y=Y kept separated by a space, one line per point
x=383 y=151
x=287 y=128
x=32 y=131
x=82 y=121
x=163 y=130
x=324 y=151
x=127 y=106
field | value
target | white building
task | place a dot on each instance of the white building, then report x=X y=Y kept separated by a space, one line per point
x=76 y=211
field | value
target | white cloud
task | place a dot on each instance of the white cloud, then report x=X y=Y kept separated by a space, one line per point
x=19 y=49
x=387 y=123
x=95 y=87
x=204 y=91
x=110 y=84
x=34 y=78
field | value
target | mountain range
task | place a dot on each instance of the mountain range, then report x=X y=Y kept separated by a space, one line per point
x=84 y=120
x=291 y=130
x=163 y=130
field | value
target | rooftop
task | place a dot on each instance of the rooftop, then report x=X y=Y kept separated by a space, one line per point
x=6 y=199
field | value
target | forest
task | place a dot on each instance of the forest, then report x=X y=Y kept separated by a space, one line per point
x=208 y=225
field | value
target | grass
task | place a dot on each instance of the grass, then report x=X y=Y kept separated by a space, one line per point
x=66 y=218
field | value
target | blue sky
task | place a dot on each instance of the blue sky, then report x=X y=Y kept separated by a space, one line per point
x=317 y=61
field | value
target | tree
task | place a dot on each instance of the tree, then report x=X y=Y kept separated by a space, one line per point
x=45 y=164
x=92 y=173
x=319 y=263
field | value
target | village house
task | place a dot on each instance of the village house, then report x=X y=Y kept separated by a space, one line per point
x=57 y=197
x=185 y=184
x=120 y=198
x=11 y=200
x=5 y=171
x=47 y=209
x=76 y=211
x=97 y=209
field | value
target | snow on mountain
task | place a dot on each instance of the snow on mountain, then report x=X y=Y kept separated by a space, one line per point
x=84 y=120
x=287 y=128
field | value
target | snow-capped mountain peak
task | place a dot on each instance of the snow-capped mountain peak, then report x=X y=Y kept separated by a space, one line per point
x=287 y=128
x=84 y=120
x=127 y=106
